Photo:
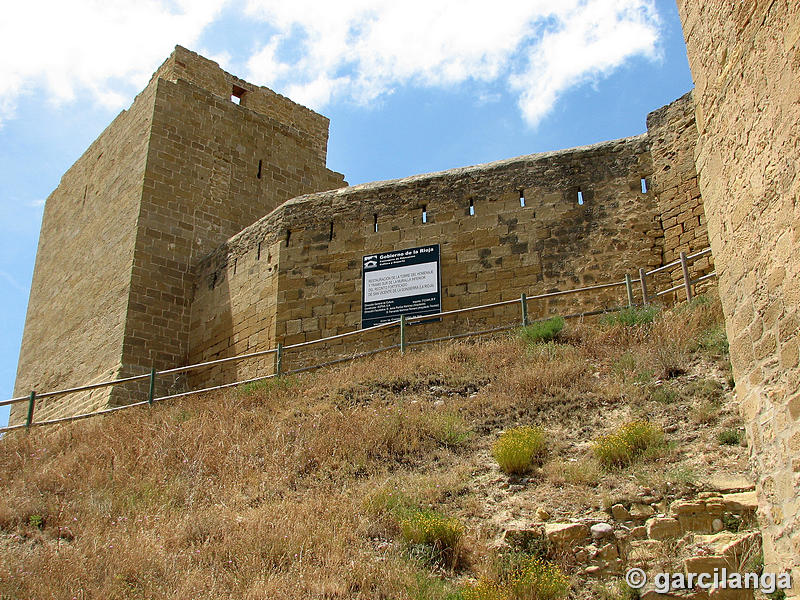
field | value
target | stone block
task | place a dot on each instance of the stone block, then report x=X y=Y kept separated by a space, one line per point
x=566 y=535
x=659 y=528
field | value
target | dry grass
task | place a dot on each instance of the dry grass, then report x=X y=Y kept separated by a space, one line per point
x=293 y=490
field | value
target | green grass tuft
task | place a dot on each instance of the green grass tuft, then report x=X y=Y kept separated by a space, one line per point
x=636 y=315
x=542 y=331
x=730 y=437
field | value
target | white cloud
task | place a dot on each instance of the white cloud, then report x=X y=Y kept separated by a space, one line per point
x=356 y=50
x=106 y=47
x=361 y=50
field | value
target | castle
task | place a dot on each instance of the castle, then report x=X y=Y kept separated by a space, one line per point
x=204 y=223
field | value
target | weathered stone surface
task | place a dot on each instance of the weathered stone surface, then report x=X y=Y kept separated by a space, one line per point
x=641 y=511
x=620 y=513
x=609 y=552
x=728 y=483
x=565 y=535
x=600 y=530
x=742 y=502
x=698 y=515
x=746 y=66
x=662 y=528
x=705 y=564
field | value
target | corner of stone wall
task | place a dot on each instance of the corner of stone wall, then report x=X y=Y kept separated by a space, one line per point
x=673 y=137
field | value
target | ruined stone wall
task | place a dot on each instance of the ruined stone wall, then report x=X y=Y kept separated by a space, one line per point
x=79 y=295
x=501 y=251
x=745 y=59
x=673 y=136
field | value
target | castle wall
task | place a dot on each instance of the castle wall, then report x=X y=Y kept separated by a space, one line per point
x=745 y=59
x=673 y=136
x=172 y=178
x=213 y=168
x=197 y=70
x=501 y=251
x=79 y=295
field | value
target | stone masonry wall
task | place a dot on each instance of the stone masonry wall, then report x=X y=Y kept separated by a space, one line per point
x=213 y=168
x=502 y=250
x=197 y=70
x=745 y=59
x=173 y=177
x=79 y=295
x=673 y=136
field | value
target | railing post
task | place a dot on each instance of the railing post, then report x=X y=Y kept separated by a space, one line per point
x=402 y=334
x=524 y=302
x=643 y=282
x=31 y=403
x=629 y=289
x=279 y=360
x=151 y=394
x=686 y=281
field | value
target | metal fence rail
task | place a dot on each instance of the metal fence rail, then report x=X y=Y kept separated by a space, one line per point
x=687 y=285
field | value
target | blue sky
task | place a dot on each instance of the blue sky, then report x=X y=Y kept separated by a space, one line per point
x=410 y=87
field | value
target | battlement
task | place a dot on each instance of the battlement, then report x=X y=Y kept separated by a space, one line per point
x=188 y=66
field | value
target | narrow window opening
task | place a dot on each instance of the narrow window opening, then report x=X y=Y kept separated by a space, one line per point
x=375 y=222
x=580 y=197
x=288 y=236
x=258 y=252
x=644 y=185
x=424 y=214
x=522 y=198
x=471 y=207
x=236 y=94
x=235 y=264
x=330 y=235
x=259 y=169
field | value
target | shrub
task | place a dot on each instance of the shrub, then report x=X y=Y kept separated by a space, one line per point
x=539 y=579
x=730 y=437
x=627 y=443
x=542 y=331
x=485 y=590
x=612 y=450
x=518 y=449
x=432 y=535
x=641 y=435
x=636 y=315
x=529 y=578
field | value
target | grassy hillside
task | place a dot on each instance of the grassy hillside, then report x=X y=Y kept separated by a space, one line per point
x=377 y=479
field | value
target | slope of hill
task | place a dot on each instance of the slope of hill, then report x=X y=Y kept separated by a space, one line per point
x=380 y=478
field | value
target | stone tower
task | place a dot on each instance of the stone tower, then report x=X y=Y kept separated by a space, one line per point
x=198 y=156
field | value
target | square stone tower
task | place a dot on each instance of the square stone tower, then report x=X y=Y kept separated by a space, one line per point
x=198 y=156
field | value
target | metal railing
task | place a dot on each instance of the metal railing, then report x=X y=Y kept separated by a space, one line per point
x=403 y=344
